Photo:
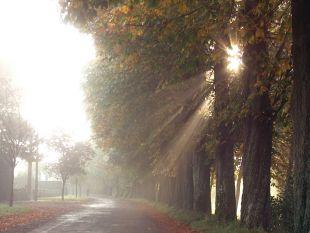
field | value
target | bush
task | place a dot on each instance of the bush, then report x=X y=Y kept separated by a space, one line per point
x=282 y=213
x=212 y=226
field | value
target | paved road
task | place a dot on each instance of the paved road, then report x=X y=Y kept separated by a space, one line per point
x=104 y=216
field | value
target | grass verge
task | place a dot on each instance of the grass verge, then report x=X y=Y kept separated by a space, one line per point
x=67 y=198
x=197 y=221
x=6 y=210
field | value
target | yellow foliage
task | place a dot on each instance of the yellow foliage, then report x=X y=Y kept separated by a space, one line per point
x=259 y=34
x=124 y=9
x=182 y=7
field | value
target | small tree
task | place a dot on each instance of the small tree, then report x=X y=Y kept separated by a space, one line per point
x=15 y=134
x=72 y=161
x=37 y=158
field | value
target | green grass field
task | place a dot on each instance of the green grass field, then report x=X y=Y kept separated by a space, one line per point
x=67 y=198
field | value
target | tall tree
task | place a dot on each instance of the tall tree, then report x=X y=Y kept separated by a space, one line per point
x=266 y=79
x=255 y=206
x=224 y=156
x=301 y=113
x=15 y=133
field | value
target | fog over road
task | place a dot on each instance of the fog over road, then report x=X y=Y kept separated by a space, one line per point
x=103 y=216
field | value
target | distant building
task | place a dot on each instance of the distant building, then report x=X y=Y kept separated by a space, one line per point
x=50 y=188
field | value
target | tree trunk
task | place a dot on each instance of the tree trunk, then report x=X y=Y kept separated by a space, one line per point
x=12 y=187
x=224 y=156
x=202 y=187
x=301 y=114
x=63 y=190
x=288 y=197
x=5 y=180
x=238 y=186
x=225 y=183
x=255 y=209
x=76 y=187
x=36 y=184
x=118 y=188
x=29 y=180
x=256 y=162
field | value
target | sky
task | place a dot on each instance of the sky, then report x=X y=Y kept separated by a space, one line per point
x=46 y=58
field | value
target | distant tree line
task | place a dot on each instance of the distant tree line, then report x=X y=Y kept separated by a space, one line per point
x=19 y=141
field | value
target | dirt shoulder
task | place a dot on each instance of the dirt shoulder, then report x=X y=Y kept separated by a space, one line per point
x=167 y=223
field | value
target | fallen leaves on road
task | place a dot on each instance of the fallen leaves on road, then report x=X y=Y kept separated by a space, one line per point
x=38 y=212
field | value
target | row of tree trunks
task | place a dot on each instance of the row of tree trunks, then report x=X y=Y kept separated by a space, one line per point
x=183 y=186
x=255 y=206
x=301 y=114
x=189 y=189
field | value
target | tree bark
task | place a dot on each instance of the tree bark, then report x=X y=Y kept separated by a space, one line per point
x=12 y=187
x=256 y=162
x=36 y=182
x=288 y=197
x=301 y=114
x=202 y=187
x=76 y=187
x=225 y=183
x=63 y=190
x=29 y=180
x=224 y=156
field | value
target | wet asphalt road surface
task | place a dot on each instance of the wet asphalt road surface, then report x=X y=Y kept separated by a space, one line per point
x=103 y=216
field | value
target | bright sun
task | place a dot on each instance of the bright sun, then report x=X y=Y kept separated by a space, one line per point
x=234 y=58
x=47 y=58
